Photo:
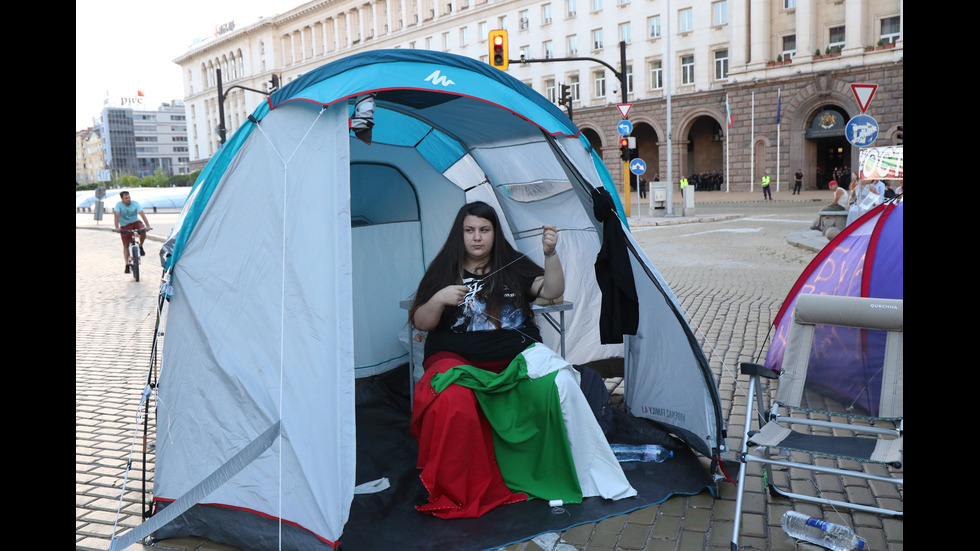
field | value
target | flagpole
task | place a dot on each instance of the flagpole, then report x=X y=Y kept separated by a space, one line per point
x=779 y=105
x=752 y=147
x=728 y=139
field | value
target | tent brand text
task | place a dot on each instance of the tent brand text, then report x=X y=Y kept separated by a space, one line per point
x=665 y=413
x=888 y=306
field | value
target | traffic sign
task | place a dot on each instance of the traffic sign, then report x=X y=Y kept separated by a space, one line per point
x=864 y=93
x=624 y=108
x=637 y=166
x=625 y=128
x=861 y=130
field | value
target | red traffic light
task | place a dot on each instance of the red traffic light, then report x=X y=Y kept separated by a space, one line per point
x=624 y=142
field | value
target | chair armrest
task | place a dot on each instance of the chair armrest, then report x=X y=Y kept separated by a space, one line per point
x=757 y=370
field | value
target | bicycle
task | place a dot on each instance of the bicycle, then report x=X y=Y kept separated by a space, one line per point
x=134 y=251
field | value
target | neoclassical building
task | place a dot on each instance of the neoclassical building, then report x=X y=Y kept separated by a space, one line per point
x=707 y=80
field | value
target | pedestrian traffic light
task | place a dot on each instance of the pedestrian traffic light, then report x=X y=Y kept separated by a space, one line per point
x=899 y=135
x=498 y=49
x=624 y=148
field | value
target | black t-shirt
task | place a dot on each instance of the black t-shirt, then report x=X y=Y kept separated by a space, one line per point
x=470 y=332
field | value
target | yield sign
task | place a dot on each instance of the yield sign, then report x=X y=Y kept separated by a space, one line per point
x=624 y=108
x=864 y=93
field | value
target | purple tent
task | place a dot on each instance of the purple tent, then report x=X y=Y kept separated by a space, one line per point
x=864 y=260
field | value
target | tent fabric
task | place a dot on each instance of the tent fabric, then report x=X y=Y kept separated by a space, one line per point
x=864 y=260
x=299 y=242
x=256 y=336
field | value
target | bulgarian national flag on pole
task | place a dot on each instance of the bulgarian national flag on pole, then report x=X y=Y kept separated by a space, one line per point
x=728 y=112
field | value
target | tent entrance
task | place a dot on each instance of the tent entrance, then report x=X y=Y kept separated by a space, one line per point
x=386 y=248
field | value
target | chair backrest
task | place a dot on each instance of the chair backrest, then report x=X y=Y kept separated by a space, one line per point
x=848 y=349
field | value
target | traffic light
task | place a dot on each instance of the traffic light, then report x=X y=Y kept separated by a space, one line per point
x=899 y=135
x=566 y=95
x=624 y=148
x=498 y=49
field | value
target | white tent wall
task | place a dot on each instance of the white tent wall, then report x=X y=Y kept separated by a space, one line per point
x=664 y=376
x=268 y=335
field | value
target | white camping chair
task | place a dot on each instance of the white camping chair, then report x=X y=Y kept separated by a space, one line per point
x=840 y=387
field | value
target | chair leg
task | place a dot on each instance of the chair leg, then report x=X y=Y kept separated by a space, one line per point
x=743 y=465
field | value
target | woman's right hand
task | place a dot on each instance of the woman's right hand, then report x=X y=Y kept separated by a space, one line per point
x=451 y=295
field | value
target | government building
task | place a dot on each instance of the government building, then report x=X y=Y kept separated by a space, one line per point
x=733 y=89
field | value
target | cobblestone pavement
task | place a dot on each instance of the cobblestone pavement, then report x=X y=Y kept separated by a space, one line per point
x=730 y=276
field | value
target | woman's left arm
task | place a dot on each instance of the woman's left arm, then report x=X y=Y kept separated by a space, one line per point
x=552 y=284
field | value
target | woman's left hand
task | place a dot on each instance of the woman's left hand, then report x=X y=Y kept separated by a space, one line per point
x=549 y=239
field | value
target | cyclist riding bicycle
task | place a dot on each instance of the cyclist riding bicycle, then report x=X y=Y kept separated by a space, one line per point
x=128 y=213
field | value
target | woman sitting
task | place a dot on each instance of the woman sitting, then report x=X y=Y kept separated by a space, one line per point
x=491 y=412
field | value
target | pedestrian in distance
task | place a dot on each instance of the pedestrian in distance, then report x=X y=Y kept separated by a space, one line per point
x=798 y=181
x=126 y=216
x=766 y=192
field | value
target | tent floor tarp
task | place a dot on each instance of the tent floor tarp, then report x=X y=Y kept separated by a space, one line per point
x=388 y=519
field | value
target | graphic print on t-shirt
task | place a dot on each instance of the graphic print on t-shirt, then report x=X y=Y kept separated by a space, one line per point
x=472 y=316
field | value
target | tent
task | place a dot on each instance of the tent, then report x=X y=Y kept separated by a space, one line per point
x=864 y=260
x=288 y=270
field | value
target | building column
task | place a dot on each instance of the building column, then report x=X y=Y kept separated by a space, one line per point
x=856 y=27
x=760 y=41
x=806 y=37
x=739 y=50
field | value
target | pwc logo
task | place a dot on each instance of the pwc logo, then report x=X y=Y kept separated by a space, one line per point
x=439 y=79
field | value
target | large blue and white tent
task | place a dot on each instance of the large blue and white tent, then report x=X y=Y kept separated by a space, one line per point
x=299 y=245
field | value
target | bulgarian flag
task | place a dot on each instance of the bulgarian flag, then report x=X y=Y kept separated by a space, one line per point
x=728 y=112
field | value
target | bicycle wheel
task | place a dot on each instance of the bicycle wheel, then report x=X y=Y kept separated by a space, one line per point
x=134 y=255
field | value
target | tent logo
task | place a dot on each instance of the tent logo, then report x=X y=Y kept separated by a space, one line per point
x=437 y=78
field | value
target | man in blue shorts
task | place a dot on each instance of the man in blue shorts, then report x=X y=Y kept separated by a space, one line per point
x=126 y=216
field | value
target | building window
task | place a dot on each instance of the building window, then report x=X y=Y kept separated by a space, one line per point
x=525 y=20
x=572 y=44
x=502 y=22
x=836 y=37
x=464 y=36
x=625 y=34
x=653 y=26
x=549 y=90
x=599 y=78
x=597 y=39
x=687 y=69
x=546 y=14
x=789 y=47
x=656 y=75
x=789 y=4
x=721 y=65
x=596 y=5
x=484 y=31
x=573 y=87
x=445 y=42
x=629 y=78
x=890 y=29
x=570 y=8
x=548 y=49
x=685 y=20
x=525 y=52
x=719 y=13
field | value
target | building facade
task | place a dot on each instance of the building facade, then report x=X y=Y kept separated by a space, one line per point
x=732 y=88
x=137 y=142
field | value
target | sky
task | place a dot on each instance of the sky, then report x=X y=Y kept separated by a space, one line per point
x=127 y=46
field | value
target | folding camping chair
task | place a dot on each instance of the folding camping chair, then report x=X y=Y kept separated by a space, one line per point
x=841 y=384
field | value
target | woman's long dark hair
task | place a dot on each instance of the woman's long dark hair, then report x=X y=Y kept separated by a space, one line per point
x=507 y=265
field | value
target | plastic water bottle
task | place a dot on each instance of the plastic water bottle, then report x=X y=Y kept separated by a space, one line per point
x=642 y=452
x=820 y=532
